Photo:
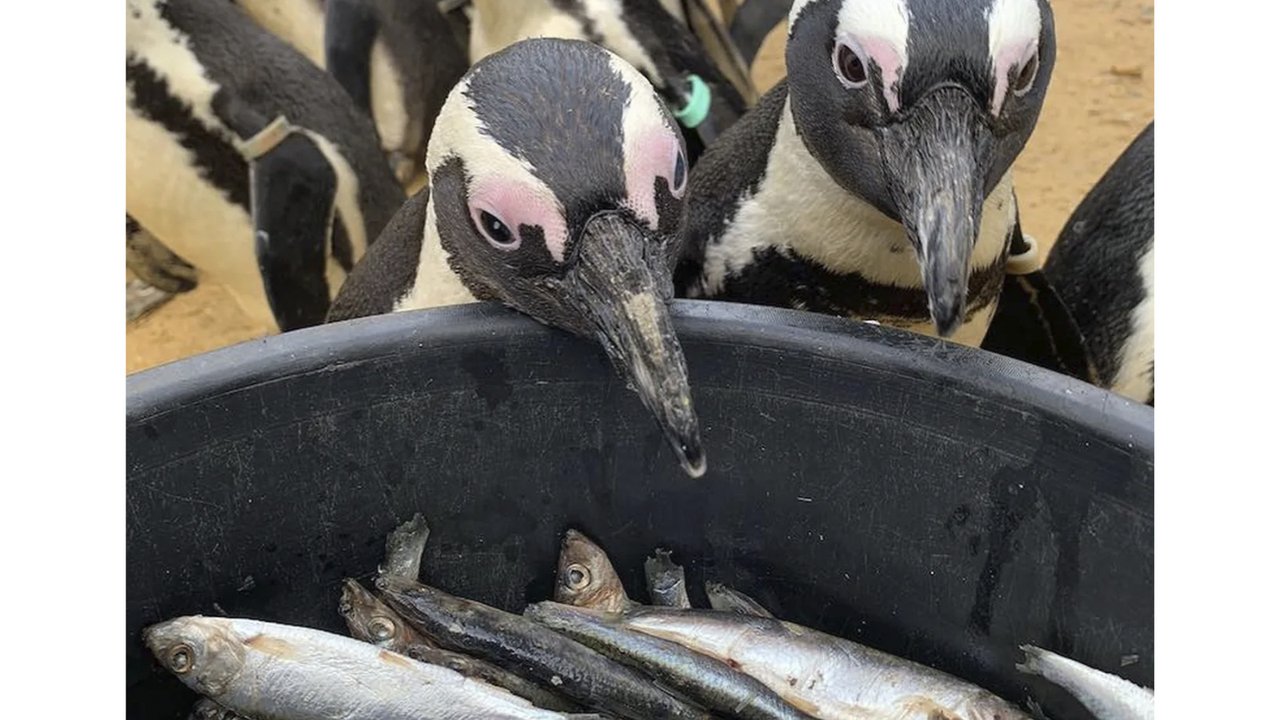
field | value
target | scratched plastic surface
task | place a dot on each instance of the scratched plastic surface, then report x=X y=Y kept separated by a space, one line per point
x=932 y=501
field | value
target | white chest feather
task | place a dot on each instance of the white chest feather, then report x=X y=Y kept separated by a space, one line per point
x=386 y=95
x=1133 y=377
x=436 y=284
x=298 y=22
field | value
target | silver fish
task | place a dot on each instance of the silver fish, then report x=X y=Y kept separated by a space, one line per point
x=1107 y=696
x=369 y=619
x=825 y=676
x=586 y=578
x=666 y=581
x=290 y=673
x=206 y=709
x=726 y=599
x=712 y=684
x=405 y=545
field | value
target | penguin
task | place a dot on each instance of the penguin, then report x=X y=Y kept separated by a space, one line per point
x=397 y=59
x=643 y=33
x=246 y=161
x=1102 y=266
x=555 y=185
x=874 y=182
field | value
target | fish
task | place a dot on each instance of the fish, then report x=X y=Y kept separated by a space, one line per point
x=586 y=578
x=206 y=709
x=405 y=546
x=283 y=672
x=369 y=619
x=1107 y=696
x=666 y=581
x=824 y=676
x=726 y=599
x=536 y=652
x=704 y=680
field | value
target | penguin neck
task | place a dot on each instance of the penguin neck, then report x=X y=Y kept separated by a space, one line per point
x=844 y=233
x=436 y=284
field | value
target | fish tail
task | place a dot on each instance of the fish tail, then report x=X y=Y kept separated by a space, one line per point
x=1032 y=665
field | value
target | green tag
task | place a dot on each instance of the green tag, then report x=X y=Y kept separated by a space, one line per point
x=695 y=111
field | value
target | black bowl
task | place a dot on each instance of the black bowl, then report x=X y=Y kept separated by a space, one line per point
x=934 y=501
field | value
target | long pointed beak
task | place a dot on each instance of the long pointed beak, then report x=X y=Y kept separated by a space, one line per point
x=939 y=158
x=621 y=284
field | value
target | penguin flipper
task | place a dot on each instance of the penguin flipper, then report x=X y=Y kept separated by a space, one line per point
x=350 y=29
x=293 y=189
x=388 y=270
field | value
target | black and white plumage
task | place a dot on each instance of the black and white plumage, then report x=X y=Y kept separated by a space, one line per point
x=649 y=36
x=397 y=59
x=1103 y=268
x=874 y=181
x=556 y=179
x=247 y=161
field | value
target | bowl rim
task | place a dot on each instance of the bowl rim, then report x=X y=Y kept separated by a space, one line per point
x=154 y=391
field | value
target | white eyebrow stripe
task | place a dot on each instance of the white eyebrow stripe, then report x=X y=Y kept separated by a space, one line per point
x=1013 y=26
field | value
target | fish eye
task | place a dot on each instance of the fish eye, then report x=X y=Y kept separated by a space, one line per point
x=850 y=65
x=1027 y=76
x=577 y=577
x=382 y=628
x=495 y=230
x=181 y=659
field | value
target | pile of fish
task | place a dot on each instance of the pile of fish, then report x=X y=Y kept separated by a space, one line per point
x=419 y=652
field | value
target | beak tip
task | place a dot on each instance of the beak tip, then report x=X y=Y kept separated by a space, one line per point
x=694 y=461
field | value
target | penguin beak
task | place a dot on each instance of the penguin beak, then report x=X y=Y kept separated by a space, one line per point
x=938 y=160
x=621 y=284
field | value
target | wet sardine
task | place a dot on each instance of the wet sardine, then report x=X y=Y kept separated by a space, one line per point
x=704 y=680
x=586 y=578
x=538 y=653
x=290 y=673
x=405 y=546
x=1107 y=696
x=726 y=599
x=206 y=709
x=370 y=620
x=825 y=676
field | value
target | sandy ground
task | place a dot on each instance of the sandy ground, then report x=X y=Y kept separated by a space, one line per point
x=1102 y=94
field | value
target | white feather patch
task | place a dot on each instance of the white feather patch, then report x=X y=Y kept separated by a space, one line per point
x=298 y=22
x=650 y=144
x=436 y=284
x=495 y=24
x=885 y=20
x=607 y=16
x=1133 y=377
x=1013 y=32
x=168 y=53
x=386 y=96
x=347 y=202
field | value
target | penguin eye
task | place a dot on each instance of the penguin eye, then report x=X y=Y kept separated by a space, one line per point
x=679 y=175
x=495 y=231
x=1027 y=76
x=850 y=65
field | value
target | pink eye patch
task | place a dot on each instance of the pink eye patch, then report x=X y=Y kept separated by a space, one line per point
x=499 y=207
x=654 y=153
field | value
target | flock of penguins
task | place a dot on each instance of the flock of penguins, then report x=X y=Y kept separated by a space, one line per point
x=585 y=161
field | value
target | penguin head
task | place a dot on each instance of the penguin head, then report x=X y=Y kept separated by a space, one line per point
x=557 y=184
x=920 y=107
